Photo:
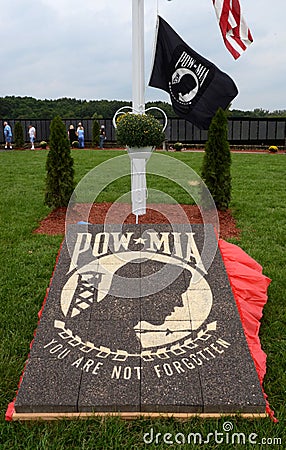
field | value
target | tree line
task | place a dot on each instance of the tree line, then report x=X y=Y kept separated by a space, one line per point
x=28 y=107
x=12 y=107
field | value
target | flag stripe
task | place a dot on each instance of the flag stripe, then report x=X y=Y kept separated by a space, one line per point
x=242 y=32
x=235 y=32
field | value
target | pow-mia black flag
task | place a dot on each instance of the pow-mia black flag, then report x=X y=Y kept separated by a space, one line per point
x=196 y=86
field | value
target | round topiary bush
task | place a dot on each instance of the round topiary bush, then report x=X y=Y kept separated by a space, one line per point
x=178 y=146
x=139 y=130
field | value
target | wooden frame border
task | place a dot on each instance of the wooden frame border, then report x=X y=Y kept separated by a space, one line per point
x=130 y=415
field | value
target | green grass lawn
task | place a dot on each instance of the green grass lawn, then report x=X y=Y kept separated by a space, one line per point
x=27 y=261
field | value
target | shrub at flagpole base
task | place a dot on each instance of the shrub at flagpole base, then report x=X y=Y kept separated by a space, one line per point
x=217 y=161
x=59 y=165
x=139 y=130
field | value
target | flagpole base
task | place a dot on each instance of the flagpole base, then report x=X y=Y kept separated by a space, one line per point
x=139 y=157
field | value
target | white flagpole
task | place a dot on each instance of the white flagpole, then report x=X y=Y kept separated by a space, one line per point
x=138 y=74
x=138 y=162
x=138 y=157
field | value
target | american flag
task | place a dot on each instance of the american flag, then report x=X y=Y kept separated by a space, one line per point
x=235 y=32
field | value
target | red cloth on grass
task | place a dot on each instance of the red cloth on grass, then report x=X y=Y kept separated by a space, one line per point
x=249 y=287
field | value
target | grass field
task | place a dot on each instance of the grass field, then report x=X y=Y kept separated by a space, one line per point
x=27 y=261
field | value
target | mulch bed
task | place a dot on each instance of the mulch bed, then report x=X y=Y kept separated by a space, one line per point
x=100 y=213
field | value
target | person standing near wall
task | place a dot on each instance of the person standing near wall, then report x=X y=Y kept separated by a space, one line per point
x=102 y=136
x=32 y=136
x=72 y=134
x=80 y=135
x=7 y=135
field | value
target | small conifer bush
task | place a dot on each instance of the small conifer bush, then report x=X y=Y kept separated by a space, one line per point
x=19 y=135
x=217 y=161
x=59 y=166
x=95 y=133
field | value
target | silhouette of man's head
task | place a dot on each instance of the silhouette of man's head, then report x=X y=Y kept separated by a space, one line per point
x=151 y=276
x=185 y=88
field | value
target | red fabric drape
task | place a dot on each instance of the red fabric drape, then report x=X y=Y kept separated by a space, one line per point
x=249 y=287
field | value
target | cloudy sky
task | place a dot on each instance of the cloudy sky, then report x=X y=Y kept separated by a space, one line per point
x=82 y=49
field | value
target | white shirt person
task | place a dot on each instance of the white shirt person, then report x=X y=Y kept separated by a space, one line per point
x=32 y=136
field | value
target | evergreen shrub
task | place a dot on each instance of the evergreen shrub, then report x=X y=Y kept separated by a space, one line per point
x=59 y=166
x=95 y=133
x=19 y=135
x=217 y=161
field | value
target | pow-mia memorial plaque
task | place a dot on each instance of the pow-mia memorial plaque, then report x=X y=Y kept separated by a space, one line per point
x=135 y=321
